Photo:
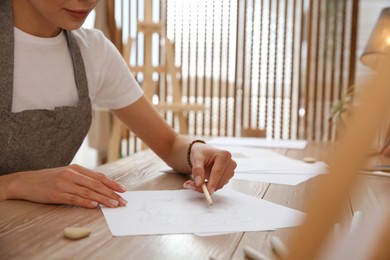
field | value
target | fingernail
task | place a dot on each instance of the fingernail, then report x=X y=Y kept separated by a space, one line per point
x=187 y=186
x=212 y=190
x=198 y=180
x=93 y=203
x=123 y=201
x=123 y=187
x=114 y=202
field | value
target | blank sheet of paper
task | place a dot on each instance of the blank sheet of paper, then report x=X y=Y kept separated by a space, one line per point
x=256 y=164
x=186 y=211
x=257 y=160
x=258 y=142
x=286 y=179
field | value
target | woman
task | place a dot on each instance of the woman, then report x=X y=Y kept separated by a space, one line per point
x=51 y=72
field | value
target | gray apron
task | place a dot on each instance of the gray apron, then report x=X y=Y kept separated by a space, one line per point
x=38 y=139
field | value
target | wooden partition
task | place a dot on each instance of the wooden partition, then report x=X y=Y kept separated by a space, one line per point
x=276 y=65
x=306 y=62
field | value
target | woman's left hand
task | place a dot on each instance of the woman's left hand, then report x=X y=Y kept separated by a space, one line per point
x=215 y=165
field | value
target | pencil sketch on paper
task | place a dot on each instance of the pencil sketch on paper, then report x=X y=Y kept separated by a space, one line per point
x=185 y=211
x=201 y=214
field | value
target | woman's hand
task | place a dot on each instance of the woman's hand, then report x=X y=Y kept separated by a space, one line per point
x=74 y=185
x=212 y=164
x=208 y=162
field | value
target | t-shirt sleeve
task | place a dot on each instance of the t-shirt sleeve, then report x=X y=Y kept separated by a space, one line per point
x=116 y=87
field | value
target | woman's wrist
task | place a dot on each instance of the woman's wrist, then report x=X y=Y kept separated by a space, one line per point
x=7 y=186
x=189 y=149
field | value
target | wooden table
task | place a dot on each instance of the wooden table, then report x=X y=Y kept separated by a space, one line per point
x=35 y=231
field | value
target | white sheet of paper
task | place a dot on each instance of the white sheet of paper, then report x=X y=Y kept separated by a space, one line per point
x=261 y=165
x=257 y=160
x=185 y=211
x=286 y=179
x=258 y=142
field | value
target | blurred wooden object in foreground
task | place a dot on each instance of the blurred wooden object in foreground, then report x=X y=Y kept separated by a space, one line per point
x=347 y=159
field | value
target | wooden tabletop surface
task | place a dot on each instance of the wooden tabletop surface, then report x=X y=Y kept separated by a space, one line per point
x=35 y=231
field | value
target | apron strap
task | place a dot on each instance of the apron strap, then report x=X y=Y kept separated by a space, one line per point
x=6 y=54
x=78 y=66
x=7 y=58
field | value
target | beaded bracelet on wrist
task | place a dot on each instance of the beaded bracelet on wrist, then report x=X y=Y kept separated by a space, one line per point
x=189 y=150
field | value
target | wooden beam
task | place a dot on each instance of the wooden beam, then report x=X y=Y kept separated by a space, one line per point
x=158 y=69
x=148 y=83
x=180 y=107
x=150 y=27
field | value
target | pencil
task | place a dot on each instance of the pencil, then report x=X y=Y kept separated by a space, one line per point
x=375 y=173
x=383 y=168
x=279 y=247
x=253 y=254
x=207 y=194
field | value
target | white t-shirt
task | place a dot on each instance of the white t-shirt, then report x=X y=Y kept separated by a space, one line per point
x=44 y=77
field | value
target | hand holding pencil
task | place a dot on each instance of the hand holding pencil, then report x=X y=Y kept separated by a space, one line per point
x=204 y=189
x=208 y=163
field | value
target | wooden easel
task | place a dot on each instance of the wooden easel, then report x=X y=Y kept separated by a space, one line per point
x=179 y=109
x=148 y=27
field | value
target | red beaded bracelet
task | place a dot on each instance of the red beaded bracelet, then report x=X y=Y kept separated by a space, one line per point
x=189 y=150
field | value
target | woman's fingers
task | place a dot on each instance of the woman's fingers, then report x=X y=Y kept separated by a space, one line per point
x=198 y=172
x=209 y=163
x=75 y=200
x=93 y=186
x=191 y=185
x=100 y=177
x=74 y=185
x=221 y=171
x=228 y=174
x=217 y=177
x=85 y=197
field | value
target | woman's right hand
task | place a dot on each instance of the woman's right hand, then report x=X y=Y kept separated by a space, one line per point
x=73 y=185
